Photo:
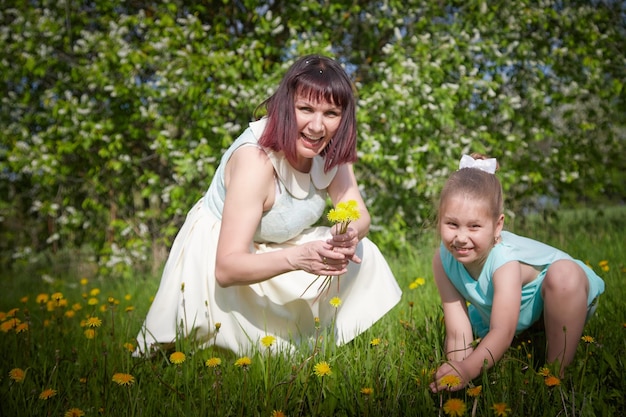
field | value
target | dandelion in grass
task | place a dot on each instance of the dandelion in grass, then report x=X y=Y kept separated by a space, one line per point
x=475 y=391
x=21 y=328
x=451 y=381
x=322 y=369
x=10 y=324
x=587 y=339
x=268 y=341
x=604 y=265
x=129 y=347
x=90 y=333
x=335 y=302
x=344 y=213
x=278 y=413
x=243 y=362
x=375 y=342
x=84 y=281
x=213 y=362
x=123 y=379
x=42 y=299
x=418 y=282
x=129 y=309
x=454 y=407
x=93 y=322
x=544 y=371
x=74 y=412
x=47 y=394
x=177 y=358
x=57 y=296
x=552 y=381
x=17 y=374
x=94 y=292
x=501 y=409
x=93 y=301
x=367 y=391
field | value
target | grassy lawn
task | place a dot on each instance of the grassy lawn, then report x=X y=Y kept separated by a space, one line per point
x=66 y=343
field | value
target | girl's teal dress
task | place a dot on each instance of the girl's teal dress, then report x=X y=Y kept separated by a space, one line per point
x=479 y=293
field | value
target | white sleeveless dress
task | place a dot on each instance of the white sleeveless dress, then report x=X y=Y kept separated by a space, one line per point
x=189 y=302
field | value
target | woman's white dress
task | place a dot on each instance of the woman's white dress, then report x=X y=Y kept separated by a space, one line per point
x=189 y=302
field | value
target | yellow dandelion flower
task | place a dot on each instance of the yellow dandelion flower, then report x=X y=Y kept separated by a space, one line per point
x=42 y=299
x=92 y=301
x=93 y=322
x=9 y=325
x=47 y=393
x=367 y=391
x=213 y=362
x=129 y=347
x=322 y=369
x=103 y=308
x=375 y=341
x=74 y=412
x=129 y=309
x=544 y=371
x=177 y=358
x=475 y=391
x=217 y=326
x=268 y=340
x=418 y=282
x=70 y=314
x=278 y=413
x=501 y=409
x=243 y=362
x=604 y=265
x=94 y=292
x=90 y=333
x=123 y=379
x=57 y=296
x=335 y=302
x=22 y=327
x=552 y=381
x=24 y=299
x=454 y=407
x=12 y=312
x=451 y=381
x=84 y=281
x=17 y=374
x=587 y=339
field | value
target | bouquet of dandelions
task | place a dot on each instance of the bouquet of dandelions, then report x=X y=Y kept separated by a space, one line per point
x=342 y=215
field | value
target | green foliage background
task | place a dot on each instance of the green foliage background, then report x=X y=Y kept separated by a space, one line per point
x=114 y=114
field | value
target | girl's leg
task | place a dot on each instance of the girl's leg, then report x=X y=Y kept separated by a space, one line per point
x=564 y=290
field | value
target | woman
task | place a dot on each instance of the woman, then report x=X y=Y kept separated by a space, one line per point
x=241 y=264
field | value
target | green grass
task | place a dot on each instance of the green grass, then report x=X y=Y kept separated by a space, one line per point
x=384 y=372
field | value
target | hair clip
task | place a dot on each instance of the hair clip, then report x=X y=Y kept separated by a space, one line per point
x=487 y=165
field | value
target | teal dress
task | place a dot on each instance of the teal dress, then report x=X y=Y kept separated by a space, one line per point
x=479 y=293
x=189 y=302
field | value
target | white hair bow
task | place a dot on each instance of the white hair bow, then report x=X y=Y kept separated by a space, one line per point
x=487 y=165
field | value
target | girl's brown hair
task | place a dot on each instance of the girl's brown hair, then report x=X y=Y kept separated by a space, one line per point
x=476 y=184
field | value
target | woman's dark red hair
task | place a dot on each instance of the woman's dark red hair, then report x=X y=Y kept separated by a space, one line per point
x=317 y=78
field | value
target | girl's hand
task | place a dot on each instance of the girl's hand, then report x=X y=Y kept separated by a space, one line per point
x=448 y=374
x=345 y=243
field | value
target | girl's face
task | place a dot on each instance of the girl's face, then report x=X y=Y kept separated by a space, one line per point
x=317 y=123
x=469 y=231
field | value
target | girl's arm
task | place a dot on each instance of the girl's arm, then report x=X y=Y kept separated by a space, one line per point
x=459 y=336
x=250 y=185
x=507 y=283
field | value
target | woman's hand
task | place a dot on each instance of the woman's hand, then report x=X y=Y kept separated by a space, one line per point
x=451 y=369
x=345 y=243
x=320 y=258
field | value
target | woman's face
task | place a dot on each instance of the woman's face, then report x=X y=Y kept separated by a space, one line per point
x=317 y=123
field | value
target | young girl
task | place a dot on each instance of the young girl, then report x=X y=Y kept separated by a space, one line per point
x=509 y=281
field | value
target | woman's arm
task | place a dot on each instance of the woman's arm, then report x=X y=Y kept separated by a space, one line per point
x=507 y=284
x=250 y=184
